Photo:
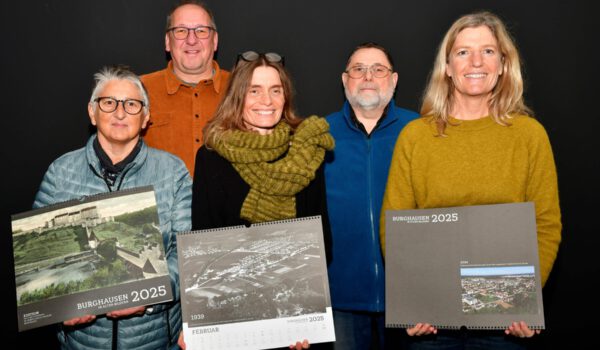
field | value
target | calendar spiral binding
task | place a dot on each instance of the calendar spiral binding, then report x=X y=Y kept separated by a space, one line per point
x=284 y=221
x=454 y=327
x=237 y=227
x=206 y=230
x=82 y=200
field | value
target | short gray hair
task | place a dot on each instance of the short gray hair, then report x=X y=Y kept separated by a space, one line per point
x=119 y=72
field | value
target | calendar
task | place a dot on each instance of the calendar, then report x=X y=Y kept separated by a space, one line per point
x=256 y=287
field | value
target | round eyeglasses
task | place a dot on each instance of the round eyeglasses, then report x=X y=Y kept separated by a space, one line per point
x=110 y=104
x=377 y=70
x=181 y=33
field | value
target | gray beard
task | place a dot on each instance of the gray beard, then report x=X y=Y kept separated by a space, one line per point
x=371 y=102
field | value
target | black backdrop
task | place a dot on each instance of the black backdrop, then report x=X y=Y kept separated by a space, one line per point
x=52 y=48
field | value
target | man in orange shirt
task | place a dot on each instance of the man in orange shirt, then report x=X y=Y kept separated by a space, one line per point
x=185 y=95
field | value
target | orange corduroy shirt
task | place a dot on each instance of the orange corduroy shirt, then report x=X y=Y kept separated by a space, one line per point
x=179 y=112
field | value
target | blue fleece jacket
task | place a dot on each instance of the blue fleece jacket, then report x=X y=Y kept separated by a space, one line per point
x=355 y=177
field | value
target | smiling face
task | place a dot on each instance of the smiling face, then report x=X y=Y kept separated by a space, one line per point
x=192 y=57
x=474 y=64
x=118 y=128
x=369 y=92
x=264 y=100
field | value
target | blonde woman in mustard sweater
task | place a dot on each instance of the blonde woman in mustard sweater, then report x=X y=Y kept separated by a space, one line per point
x=476 y=144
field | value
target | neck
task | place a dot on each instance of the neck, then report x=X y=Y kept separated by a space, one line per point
x=194 y=78
x=369 y=118
x=117 y=151
x=470 y=108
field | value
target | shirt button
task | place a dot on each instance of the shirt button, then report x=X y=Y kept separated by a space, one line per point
x=197 y=116
x=197 y=140
x=195 y=94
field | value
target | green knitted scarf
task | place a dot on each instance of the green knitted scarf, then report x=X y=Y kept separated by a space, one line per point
x=274 y=176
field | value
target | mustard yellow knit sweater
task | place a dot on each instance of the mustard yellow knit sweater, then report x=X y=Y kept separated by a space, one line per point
x=479 y=162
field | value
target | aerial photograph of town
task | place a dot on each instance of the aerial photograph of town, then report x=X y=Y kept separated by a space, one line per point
x=256 y=273
x=499 y=290
x=87 y=246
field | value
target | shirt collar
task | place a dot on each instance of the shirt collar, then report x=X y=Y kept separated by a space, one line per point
x=173 y=82
x=360 y=125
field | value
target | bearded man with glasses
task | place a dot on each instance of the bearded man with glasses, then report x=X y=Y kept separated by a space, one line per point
x=365 y=131
x=186 y=93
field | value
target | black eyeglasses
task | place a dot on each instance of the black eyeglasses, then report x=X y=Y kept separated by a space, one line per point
x=201 y=32
x=110 y=104
x=251 y=56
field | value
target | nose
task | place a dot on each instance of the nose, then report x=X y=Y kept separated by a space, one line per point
x=369 y=75
x=266 y=99
x=476 y=59
x=120 y=111
x=191 y=37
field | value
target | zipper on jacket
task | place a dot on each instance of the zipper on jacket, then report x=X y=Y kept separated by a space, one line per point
x=370 y=191
x=115 y=334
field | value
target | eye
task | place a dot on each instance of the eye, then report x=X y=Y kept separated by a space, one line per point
x=277 y=91
x=180 y=31
x=489 y=52
x=461 y=53
x=108 y=102
x=132 y=103
x=253 y=92
x=380 y=69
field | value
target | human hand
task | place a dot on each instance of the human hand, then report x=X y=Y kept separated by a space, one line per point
x=180 y=341
x=421 y=329
x=300 y=345
x=137 y=310
x=79 y=320
x=521 y=330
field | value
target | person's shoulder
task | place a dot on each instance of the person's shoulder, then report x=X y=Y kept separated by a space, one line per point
x=527 y=125
x=209 y=155
x=165 y=158
x=335 y=115
x=419 y=125
x=152 y=77
x=71 y=158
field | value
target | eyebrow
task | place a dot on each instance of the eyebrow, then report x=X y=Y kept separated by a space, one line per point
x=270 y=87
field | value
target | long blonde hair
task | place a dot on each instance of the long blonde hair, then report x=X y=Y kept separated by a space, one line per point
x=230 y=112
x=507 y=95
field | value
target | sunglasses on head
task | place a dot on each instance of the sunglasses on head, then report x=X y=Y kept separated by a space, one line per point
x=251 y=56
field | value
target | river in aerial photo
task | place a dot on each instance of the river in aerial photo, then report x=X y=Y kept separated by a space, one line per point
x=30 y=281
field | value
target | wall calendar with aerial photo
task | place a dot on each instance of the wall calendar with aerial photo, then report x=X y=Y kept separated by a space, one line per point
x=475 y=266
x=89 y=256
x=256 y=287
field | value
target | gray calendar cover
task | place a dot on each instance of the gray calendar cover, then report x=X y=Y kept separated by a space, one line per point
x=255 y=287
x=89 y=256
x=473 y=266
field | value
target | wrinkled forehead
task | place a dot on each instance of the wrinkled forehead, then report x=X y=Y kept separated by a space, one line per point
x=368 y=56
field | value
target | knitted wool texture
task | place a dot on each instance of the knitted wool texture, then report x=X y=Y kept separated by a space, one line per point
x=274 y=176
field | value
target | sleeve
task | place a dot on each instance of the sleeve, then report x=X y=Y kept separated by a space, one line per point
x=399 y=192
x=48 y=189
x=542 y=189
x=180 y=221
